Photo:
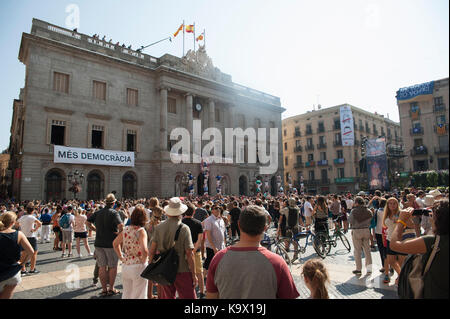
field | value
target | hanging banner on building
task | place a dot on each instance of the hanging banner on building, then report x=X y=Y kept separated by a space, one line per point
x=377 y=170
x=94 y=156
x=410 y=92
x=347 y=127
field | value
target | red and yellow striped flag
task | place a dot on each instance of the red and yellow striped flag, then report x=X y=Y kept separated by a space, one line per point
x=179 y=29
x=190 y=28
x=200 y=37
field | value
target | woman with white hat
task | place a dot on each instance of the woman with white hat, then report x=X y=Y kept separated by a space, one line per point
x=163 y=239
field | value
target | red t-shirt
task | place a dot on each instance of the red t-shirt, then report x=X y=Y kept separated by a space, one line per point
x=250 y=273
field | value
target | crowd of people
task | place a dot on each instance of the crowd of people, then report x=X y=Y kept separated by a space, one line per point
x=135 y=231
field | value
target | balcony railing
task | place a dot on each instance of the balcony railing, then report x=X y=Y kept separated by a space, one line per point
x=439 y=108
x=339 y=161
x=419 y=150
x=308 y=131
x=337 y=143
x=324 y=181
x=299 y=165
x=321 y=146
x=312 y=182
x=309 y=147
x=441 y=150
x=298 y=149
x=416 y=131
x=320 y=129
x=310 y=164
x=337 y=126
x=322 y=163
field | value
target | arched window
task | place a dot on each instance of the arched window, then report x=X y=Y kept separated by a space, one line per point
x=95 y=183
x=54 y=185
x=129 y=185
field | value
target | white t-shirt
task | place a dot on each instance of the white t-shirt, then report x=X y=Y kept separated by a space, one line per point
x=26 y=223
x=420 y=202
x=71 y=223
x=379 y=228
x=308 y=209
x=349 y=203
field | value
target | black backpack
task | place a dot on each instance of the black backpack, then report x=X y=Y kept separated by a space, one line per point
x=292 y=220
x=164 y=268
x=412 y=276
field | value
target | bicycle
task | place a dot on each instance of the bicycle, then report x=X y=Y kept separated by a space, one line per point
x=278 y=247
x=295 y=239
x=324 y=241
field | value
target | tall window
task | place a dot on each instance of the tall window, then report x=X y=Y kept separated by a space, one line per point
x=61 y=82
x=132 y=97
x=337 y=123
x=440 y=119
x=297 y=143
x=171 y=105
x=324 y=174
x=341 y=172
x=131 y=140
x=285 y=146
x=323 y=156
x=311 y=175
x=414 y=107
x=100 y=90
x=321 y=140
x=310 y=157
x=418 y=142
x=438 y=101
x=286 y=161
x=58 y=132
x=97 y=136
x=299 y=158
x=337 y=137
x=340 y=154
x=217 y=115
x=310 y=142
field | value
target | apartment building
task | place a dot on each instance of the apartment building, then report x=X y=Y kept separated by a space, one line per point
x=313 y=153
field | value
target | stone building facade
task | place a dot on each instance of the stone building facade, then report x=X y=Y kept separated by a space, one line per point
x=424 y=122
x=314 y=154
x=83 y=92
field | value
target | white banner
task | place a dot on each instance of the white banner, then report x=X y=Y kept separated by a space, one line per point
x=347 y=128
x=76 y=155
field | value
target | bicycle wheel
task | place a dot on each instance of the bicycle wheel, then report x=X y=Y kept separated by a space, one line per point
x=345 y=241
x=320 y=245
x=279 y=250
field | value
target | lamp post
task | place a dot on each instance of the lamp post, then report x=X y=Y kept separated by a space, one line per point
x=75 y=180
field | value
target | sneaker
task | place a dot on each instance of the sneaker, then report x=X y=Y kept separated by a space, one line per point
x=35 y=271
x=63 y=255
x=369 y=271
x=69 y=255
x=23 y=272
x=91 y=254
x=201 y=296
x=381 y=269
x=357 y=272
x=80 y=255
x=386 y=279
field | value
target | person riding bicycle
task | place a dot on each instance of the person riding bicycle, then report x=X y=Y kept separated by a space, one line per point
x=291 y=214
x=320 y=215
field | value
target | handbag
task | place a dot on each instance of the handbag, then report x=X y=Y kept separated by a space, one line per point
x=164 y=267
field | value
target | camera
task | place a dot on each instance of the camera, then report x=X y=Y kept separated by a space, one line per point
x=420 y=212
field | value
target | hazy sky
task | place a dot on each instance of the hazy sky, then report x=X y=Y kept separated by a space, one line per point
x=332 y=52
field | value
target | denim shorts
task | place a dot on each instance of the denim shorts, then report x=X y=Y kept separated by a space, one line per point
x=15 y=280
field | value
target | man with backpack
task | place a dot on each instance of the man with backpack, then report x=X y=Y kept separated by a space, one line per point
x=66 y=223
x=291 y=214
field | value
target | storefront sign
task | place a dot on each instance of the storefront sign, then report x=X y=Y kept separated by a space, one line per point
x=75 y=155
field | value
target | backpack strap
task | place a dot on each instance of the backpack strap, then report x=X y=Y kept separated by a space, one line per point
x=176 y=235
x=433 y=253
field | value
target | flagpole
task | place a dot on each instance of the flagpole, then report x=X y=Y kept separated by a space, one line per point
x=194 y=37
x=204 y=39
x=183 y=38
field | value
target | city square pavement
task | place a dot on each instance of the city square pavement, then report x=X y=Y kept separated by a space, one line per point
x=71 y=278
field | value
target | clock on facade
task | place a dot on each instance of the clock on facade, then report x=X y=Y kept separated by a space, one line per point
x=198 y=107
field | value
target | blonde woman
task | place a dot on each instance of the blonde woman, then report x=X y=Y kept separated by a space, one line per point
x=393 y=259
x=316 y=278
x=11 y=242
x=81 y=231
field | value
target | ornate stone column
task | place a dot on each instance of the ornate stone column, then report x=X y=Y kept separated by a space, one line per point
x=211 y=113
x=163 y=118
x=189 y=111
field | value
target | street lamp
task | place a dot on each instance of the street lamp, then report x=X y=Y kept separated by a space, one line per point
x=75 y=180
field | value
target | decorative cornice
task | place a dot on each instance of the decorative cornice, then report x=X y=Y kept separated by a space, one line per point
x=56 y=110
x=132 y=122
x=98 y=116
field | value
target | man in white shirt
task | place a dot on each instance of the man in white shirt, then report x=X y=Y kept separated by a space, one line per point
x=420 y=199
x=29 y=225
x=349 y=202
x=308 y=211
